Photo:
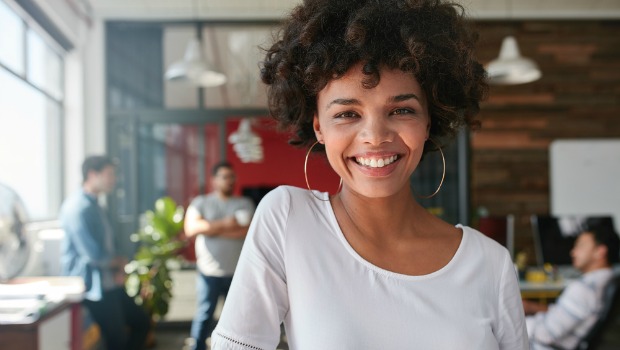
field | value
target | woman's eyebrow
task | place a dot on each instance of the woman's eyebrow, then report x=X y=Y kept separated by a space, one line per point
x=353 y=101
x=344 y=102
x=404 y=97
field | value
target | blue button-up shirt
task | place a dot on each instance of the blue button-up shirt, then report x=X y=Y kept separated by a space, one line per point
x=88 y=247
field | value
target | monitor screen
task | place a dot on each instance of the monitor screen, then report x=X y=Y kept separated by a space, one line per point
x=554 y=236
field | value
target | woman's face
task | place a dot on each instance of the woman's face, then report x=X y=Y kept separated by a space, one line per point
x=373 y=138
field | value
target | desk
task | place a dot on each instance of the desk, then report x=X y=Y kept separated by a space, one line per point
x=542 y=290
x=48 y=316
x=51 y=331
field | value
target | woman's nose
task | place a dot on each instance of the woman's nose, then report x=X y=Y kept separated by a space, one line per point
x=376 y=131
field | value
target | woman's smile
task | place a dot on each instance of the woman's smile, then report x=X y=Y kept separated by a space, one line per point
x=376 y=162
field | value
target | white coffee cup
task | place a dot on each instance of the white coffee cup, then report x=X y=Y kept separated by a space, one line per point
x=243 y=217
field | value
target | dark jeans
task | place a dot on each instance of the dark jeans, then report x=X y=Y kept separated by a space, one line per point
x=123 y=324
x=208 y=291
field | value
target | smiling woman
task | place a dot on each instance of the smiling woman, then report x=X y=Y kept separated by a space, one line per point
x=377 y=84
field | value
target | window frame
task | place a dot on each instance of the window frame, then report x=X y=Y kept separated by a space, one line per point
x=30 y=25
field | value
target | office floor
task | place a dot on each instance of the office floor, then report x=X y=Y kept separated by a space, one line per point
x=173 y=332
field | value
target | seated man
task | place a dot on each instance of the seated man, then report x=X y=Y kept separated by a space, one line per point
x=564 y=323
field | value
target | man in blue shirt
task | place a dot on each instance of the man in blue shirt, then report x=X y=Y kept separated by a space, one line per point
x=89 y=252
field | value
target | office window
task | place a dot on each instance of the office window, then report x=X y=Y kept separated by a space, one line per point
x=44 y=66
x=12 y=44
x=31 y=114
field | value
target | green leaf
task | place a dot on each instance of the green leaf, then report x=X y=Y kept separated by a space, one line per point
x=165 y=207
x=133 y=285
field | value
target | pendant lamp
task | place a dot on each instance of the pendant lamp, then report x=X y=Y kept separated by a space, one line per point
x=510 y=68
x=195 y=68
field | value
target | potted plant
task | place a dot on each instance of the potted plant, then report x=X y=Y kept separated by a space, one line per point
x=160 y=240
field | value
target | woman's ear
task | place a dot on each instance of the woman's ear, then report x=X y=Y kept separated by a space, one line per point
x=317 y=128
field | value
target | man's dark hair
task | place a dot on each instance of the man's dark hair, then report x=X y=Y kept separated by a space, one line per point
x=219 y=166
x=604 y=234
x=95 y=163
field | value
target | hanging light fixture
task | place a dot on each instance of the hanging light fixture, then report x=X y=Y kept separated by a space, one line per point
x=195 y=68
x=510 y=68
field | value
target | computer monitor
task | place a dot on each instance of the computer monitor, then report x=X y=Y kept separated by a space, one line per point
x=554 y=236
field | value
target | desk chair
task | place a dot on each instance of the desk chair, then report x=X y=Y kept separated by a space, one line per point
x=605 y=334
x=499 y=228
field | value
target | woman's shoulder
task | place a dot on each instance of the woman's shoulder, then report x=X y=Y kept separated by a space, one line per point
x=479 y=242
x=280 y=200
x=292 y=206
x=289 y=194
x=484 y=255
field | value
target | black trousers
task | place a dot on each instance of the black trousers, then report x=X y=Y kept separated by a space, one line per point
x=124 y=325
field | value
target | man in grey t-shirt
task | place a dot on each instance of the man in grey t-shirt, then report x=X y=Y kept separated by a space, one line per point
x=220 y=220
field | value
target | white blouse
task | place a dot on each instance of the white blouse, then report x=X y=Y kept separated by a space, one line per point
x=297 y=268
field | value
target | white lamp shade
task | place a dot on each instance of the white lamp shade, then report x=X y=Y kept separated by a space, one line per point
x=510 y=67
x=209 y=78
x=194 y=68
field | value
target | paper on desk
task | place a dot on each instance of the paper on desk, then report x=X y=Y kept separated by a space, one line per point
x=34 y=290
x=24 y=310
x=50 y=288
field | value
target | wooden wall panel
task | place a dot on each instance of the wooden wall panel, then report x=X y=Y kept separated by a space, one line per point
x=578 y=96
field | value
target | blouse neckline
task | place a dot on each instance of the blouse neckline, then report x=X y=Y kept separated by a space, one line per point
x=341 y=237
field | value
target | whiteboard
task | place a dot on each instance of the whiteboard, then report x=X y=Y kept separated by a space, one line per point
x=585 y=177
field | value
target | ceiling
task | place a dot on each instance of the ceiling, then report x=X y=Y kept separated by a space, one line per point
x=275 y=9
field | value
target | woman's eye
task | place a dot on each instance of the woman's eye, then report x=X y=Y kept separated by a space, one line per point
x=403 y=111
x=346 y=115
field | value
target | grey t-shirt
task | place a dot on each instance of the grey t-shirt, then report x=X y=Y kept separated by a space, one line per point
x=218 y=256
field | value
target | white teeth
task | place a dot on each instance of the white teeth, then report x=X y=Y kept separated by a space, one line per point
x=375 y=162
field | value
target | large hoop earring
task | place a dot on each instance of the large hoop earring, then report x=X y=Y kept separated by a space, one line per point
x=443 y=175
x=306 y=174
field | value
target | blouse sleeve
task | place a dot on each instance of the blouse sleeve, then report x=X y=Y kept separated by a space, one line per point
x=511 y=331
x=258 y=300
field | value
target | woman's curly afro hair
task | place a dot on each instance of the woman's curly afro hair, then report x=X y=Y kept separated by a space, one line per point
x=322 y=39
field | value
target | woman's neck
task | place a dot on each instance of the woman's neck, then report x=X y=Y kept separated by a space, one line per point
x=375 y=218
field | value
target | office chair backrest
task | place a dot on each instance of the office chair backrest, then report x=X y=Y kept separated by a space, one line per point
x=605 y=334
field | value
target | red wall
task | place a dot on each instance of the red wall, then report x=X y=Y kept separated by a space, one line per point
x=283 y=164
